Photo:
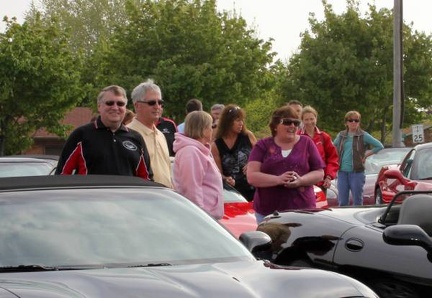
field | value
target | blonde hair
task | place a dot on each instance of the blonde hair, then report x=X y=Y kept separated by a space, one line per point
x=309 y=109
x=349 y=114
x=128 y=116
x=195 y=124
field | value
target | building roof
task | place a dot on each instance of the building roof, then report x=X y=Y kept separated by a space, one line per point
x=408 y=131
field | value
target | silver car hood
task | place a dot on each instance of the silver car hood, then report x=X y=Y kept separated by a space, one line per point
x=237 y=279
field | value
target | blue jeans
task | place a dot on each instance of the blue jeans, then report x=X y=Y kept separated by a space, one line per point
x=353 y=181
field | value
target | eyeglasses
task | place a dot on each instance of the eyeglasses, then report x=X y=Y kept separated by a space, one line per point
x=289 y=121
x=153 y=102
x=110 y=103
x=353 y=120
x=233 y=109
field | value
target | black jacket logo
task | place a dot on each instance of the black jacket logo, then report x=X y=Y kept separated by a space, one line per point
x=130 y=146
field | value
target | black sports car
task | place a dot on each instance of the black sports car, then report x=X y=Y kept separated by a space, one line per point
x=97 y=236
x=388 y=247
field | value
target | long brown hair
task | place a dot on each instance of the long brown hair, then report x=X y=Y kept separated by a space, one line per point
x=229 y=114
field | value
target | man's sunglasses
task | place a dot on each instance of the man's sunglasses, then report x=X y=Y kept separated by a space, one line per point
x=288 y=122
x=354 y=120
x=153 y=102
x=119 y=103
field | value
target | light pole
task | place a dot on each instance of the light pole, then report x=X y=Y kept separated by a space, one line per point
x=397 y=73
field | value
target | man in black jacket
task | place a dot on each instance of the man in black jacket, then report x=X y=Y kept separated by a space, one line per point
x=168 y=127
x=106 y=146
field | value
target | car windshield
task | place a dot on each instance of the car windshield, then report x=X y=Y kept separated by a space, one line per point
x=17 y=169
x=109 y=227
x=422 y=165
x=387 y=156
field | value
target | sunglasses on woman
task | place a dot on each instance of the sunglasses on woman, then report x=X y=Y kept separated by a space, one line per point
x=354 y=120
x=289 y=121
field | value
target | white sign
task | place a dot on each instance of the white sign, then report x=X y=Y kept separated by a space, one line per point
x=417 y=133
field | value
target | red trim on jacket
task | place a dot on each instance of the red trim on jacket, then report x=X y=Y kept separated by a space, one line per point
x=75 y=161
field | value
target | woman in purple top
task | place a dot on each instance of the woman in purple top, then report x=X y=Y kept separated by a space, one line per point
x=284 y=167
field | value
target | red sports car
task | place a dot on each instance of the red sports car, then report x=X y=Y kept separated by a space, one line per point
x=239 y=214
x=414 y=173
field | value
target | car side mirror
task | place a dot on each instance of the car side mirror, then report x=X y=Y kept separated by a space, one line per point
x=408 y=235
x=256 y=241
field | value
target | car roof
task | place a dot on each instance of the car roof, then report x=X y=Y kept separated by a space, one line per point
x=82 y=181
x=36 y=156
x=422 y=146
x=395 y=149
x=23 y=159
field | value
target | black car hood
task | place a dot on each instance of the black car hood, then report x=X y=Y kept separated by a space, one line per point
x=353 y=215
x=238 y=279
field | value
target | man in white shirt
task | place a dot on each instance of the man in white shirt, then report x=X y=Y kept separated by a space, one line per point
x=148 y=103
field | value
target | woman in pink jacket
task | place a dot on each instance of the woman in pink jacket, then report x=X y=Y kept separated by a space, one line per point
x=196 y=175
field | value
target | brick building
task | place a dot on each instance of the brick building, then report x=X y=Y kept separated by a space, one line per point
x=51 y=144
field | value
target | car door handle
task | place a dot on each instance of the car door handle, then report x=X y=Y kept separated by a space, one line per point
x=354 y=244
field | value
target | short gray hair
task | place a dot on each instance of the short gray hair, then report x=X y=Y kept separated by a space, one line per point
x=217 y=106
x=140 y=91
x=195 y=124
x=117 y=90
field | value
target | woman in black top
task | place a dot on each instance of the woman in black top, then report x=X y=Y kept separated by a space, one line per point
x=231 y=148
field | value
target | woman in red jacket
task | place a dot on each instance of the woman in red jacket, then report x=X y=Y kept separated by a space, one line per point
x=324 y=144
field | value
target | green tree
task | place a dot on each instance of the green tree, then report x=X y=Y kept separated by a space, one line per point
x=90 y=21
x=39 y=82
x=259 y=110
x=346 y=63
x=191 y=50
x=92 y=24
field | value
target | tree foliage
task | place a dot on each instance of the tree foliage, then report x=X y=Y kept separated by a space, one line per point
x=189 y=48
x=90 y=21
x=39 y=81
x=346 y=63
x=92 y=24
x=191 y=51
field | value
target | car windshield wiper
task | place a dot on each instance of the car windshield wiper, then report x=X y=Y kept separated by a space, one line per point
x=151 y=265
x=27 y=268
x=35 y=267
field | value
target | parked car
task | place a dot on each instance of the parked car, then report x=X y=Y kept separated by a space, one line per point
x=119 y=236
x=321 y=198
x=23 y=165
x=373 y=164
x=388 y=247
x=239 y=215
x=414 y=173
